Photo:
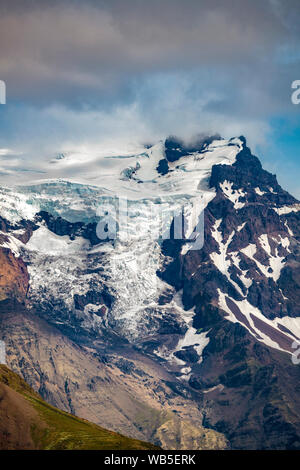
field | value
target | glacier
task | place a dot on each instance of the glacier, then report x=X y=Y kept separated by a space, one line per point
x=60 y=268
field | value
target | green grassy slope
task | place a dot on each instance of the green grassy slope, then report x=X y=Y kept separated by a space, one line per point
x=46 y=427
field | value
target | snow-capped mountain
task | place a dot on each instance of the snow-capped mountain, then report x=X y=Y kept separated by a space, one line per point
x=215 y=310
x=128 y=264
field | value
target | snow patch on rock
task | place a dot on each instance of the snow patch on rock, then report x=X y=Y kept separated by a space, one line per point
x=250 y=313
x=287 y=209
x=233 y=195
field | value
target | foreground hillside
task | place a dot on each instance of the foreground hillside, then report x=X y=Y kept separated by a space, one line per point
x=28 y=422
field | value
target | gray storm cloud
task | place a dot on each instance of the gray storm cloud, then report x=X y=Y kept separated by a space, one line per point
x=80 y=74
x=75 y=51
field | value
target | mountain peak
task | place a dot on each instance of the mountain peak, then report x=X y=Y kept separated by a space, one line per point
x=216 y=322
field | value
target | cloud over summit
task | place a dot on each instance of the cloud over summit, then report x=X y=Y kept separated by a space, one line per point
x=90 y=71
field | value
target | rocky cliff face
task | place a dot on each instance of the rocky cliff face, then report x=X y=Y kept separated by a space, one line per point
x=13 y=276
x=197 y=343
x=244 y=268
x=244 y=287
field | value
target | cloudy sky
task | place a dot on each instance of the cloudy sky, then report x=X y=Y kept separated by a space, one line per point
x=95 y=75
